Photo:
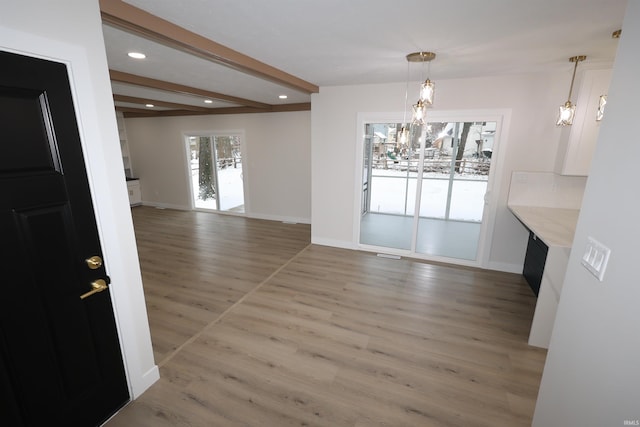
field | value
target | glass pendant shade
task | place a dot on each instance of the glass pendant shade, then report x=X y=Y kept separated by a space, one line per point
x=403 y=136
x=568 y=110
x=427 y=90
x=419 y=113
x=601 y=103
x=566 y=114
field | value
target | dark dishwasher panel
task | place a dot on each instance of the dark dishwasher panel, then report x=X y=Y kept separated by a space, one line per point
x=534 y=262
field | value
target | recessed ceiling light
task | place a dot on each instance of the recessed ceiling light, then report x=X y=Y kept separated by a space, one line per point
x=208 y=101
x=137 y=55
x=283 y=96
x=149 y=105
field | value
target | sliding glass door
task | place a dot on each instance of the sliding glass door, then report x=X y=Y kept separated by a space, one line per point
x=215 y=167
x=426 y=195
x=389 y=186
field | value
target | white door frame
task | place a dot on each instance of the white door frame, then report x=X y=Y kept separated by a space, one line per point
x=502 y=118
x=96 y=118
x=245 y=162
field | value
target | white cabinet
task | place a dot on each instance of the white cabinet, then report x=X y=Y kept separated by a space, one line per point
x=135 y=195
x=578 y=141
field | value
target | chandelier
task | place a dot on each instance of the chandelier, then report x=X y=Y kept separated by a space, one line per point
x=425 y=95
x=425 y=98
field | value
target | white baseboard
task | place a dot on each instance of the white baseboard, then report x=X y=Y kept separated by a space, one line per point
x=140 y=385
x=497 y=266
x=166 y=206
x=333 y=243
x=280 y=218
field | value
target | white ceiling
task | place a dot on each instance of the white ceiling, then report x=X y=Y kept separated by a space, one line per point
x=346 y=42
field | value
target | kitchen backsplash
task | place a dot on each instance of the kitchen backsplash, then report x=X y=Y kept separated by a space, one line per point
x=546 y=189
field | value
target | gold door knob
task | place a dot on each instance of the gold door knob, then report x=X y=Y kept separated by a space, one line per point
x=94 y=262
x=98 y=286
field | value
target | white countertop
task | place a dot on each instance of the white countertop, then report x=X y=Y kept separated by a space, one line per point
x=554 y=226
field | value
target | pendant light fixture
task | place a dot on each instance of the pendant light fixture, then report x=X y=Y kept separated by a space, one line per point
x=602 y=101
x=568 y=110
x=426 y=89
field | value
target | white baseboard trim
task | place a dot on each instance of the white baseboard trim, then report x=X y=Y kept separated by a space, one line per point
x=280 y=218
x=497 y=266
x=166 y=206
x=333 y=243
x=144 y=382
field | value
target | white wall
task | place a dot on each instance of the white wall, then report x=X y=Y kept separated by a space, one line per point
x=592 y=373
x=278 y=151
x=72 y=33
x=530 y=144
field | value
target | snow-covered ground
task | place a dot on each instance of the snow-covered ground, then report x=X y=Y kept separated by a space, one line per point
x=389 y=188
x=230 y=187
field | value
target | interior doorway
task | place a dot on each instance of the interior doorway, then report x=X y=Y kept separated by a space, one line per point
x=426 y=195
x=214 y=163
x=60 y=355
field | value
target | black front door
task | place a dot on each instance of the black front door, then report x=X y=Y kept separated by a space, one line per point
x=60 y=358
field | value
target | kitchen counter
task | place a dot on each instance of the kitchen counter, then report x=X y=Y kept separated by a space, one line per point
x=548 y=205
x=554 y=226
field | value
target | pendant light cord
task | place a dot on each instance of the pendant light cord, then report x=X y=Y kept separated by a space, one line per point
x=406 y=98
x=575 y=67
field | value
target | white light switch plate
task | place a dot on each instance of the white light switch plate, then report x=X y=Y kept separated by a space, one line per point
x=596 y=257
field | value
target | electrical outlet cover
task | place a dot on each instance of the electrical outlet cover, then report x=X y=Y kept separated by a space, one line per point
x=596 y=257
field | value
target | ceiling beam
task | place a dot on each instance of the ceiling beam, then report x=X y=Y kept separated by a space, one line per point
x=122 y=77
x=135 y=112
x=134 y=20
x=301 y=106
x=143 y=101
x=139 y=112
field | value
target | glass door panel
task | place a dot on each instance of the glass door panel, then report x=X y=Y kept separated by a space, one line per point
x=467 y=200
x=453 y=189
x=433 y=197
x=203 y=179
x=215 y=167
x=229 y=173
x=426 y=195
x=389 y=196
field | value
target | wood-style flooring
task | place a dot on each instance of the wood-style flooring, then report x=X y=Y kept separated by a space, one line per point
x=253 y=326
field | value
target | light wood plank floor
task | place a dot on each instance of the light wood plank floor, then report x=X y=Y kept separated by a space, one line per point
x=195 y=265
x=252 y=326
